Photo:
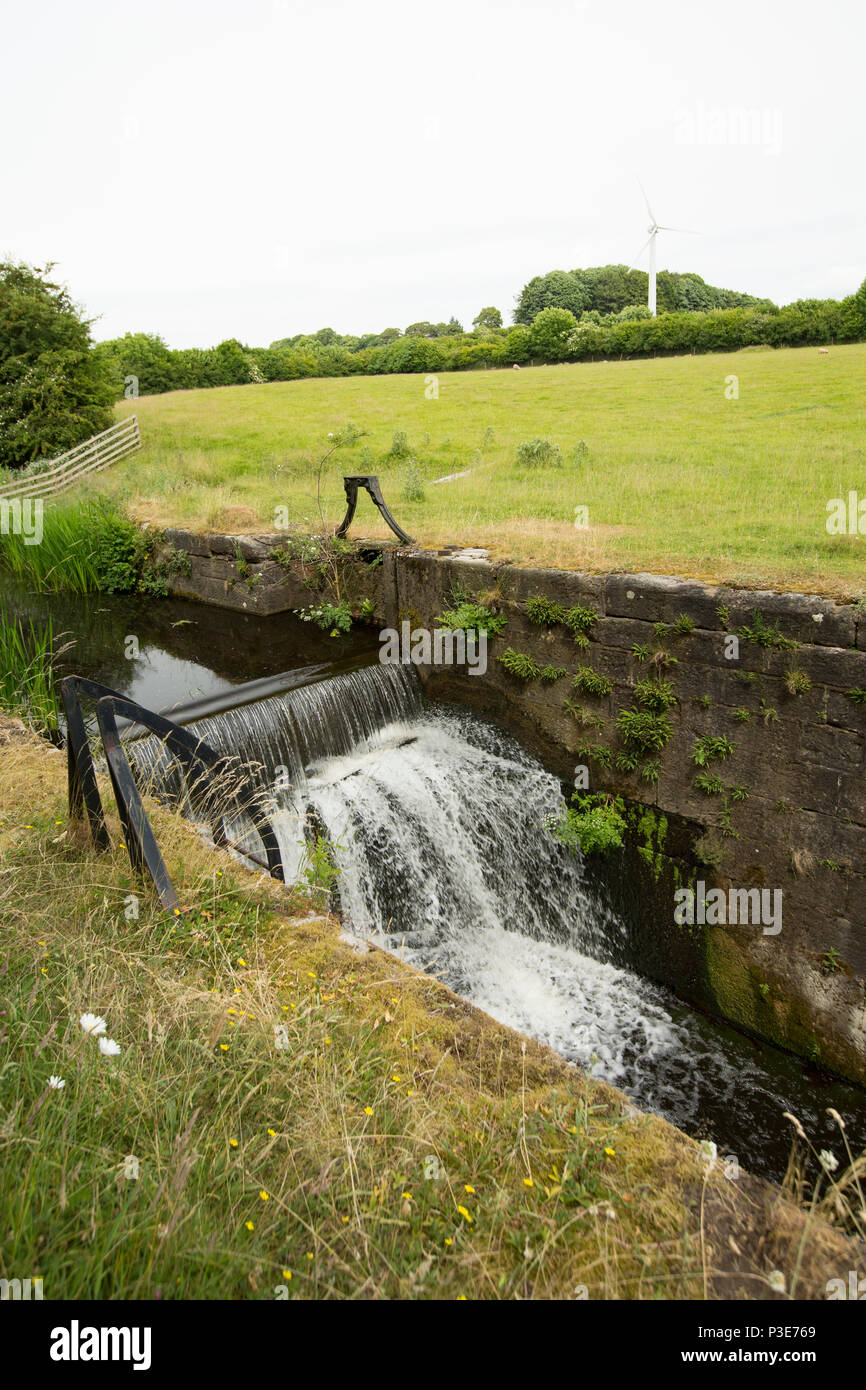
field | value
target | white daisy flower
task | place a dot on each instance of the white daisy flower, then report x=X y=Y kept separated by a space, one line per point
x=93 y=1024
x=109 y=1048
x=56 y=1083
x=829 y=1161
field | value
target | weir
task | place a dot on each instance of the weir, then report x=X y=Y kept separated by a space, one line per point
x=438 y=825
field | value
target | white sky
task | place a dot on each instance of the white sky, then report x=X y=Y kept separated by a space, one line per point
x=262 y=168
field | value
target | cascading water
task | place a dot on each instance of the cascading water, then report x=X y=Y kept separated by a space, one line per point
x=438 y=824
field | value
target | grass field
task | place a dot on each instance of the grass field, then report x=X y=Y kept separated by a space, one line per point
x=285 y=1114
x=678 y=479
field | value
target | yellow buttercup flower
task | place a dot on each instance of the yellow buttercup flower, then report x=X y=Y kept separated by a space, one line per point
x=264 y=1195
x=611 y=1153
x=224 y=1047
x=368 y=1109
x=287 y=1274
x=527 y=1182
x=249 y=1225
x=272 y=1133
x=464 y=1213
x=467 y=1187
x=234 y=1143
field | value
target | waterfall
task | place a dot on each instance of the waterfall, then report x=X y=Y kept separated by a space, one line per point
x=438 y=824
x=278 y=740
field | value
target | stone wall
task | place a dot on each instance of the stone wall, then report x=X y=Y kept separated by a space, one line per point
x=800 y=759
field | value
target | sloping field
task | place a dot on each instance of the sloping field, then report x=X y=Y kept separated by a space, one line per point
x=720 y=467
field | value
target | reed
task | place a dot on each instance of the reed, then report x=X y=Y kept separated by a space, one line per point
x=28 y=685
x=86 y=547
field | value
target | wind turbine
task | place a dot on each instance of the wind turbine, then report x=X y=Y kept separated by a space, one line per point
x=654 y=229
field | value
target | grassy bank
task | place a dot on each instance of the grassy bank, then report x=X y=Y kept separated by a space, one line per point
x=676 y=476
x=285 y=1113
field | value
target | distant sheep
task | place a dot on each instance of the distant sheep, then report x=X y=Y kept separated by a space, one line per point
x=824 y=351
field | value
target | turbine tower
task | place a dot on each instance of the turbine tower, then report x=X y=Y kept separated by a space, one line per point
x=654 y=229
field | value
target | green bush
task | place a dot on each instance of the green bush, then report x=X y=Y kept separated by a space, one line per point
x=332 y=618
x=87 y=547
x=593 y=824
x=399 y=446
x=413 y=487
x=538 y=453
x=551 y=330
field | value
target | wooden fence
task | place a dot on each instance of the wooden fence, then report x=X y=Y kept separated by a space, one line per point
x=78 y=463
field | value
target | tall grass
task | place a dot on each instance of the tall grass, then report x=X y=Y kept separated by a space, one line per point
x=28 y=685
x=87 y=547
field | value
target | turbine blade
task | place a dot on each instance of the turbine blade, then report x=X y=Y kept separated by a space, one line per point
x=634 y=265
x=686 y=231
x=646 y=200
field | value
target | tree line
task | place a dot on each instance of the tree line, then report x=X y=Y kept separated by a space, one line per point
x=57 y=388
x=555 y=333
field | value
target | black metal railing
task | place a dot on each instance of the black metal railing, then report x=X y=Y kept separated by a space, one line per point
x=218 y=784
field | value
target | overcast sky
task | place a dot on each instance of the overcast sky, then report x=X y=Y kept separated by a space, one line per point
x=262 y=168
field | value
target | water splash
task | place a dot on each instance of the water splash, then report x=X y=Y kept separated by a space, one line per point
x=438 y=826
